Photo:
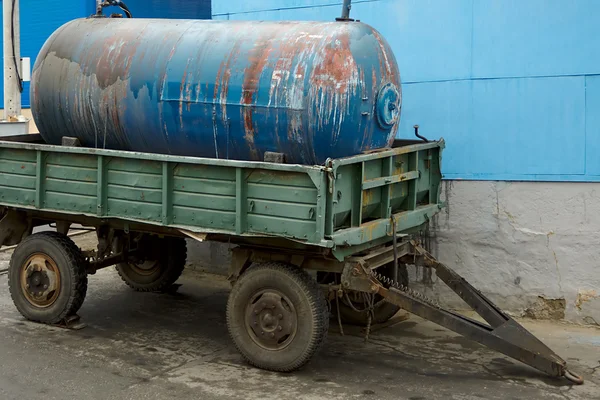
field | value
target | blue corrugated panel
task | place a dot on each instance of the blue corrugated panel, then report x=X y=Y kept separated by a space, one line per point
x=514 y=86
x=193 y=9
x=592 y=124
x=536 y=38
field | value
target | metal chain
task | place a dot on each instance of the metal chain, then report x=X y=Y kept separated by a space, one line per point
x=405 y=289
x=339 y=316
x=370 y=300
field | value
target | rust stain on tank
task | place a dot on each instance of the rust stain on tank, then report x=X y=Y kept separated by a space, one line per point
x=337 y=65
x=257 y=59
x=221 y=89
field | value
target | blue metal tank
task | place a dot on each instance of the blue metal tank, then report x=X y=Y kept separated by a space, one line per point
x=220 y=89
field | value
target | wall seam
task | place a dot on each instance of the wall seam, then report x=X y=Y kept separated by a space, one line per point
x=294 y=8
x=501 y=78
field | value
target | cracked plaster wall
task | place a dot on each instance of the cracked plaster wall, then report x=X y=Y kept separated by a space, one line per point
x=532 y=247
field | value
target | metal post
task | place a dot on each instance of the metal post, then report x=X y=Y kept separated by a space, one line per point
x=346 y=10
x=12 y=94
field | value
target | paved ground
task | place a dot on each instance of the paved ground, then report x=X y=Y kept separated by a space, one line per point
x=175 y=346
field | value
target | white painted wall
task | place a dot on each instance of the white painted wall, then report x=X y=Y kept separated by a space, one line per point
x=523 y=242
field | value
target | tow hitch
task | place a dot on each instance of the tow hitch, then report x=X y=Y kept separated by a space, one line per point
x=501 y=333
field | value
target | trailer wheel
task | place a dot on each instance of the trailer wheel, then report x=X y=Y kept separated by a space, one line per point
x=47 y=277
x=164 y=264
x=383 y=310
x=277 y=316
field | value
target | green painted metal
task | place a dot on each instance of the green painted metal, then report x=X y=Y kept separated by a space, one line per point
x=346 y=205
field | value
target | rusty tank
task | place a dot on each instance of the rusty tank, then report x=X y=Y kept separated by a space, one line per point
x=218 y=89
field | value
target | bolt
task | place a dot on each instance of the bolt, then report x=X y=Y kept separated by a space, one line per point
x=255 y=311
x=262 y=333
x=255 y=323
x=45 y=286
x=272 y=334
x=346 y=284
x=280 y=316
x=392 y=106
x=280 y=328
x=355 y=271
x=27 y=286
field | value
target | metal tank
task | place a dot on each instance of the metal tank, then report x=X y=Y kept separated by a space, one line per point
x=222 y=89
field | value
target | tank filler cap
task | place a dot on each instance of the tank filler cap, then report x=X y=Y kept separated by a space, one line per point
x=389 y=102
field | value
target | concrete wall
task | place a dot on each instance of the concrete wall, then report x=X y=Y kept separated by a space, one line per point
x=532 y=247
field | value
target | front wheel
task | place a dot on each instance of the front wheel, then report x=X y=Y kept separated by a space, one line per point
x=47 y=277
x=277 y=316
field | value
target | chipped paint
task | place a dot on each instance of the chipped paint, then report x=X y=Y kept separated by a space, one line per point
x=224 y=89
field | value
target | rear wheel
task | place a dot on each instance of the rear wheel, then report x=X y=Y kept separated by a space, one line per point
x=277 y=316
x=353 y=307
x=163 y=264
x=47 y=277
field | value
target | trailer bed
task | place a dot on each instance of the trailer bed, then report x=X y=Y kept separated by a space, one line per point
x=346 y=205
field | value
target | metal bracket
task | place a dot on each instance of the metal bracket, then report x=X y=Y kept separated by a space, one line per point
x=14 y=227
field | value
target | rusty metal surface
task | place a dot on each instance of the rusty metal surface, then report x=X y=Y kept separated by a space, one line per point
x=222 y=89
x=40 y=280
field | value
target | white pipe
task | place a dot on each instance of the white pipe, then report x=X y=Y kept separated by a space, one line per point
x=12 y=94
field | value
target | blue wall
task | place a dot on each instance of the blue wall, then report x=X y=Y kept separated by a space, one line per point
x=513 y=86
x=40 y=18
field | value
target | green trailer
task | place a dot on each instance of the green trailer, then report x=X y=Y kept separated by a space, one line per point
x=310 y=241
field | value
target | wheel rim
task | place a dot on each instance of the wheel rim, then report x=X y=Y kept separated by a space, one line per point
x=40 y=280
x=271 y=319
x=148 y=267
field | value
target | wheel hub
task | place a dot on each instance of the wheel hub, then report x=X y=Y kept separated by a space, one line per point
x=146 y=267
x=40 y=280
x=271 y=319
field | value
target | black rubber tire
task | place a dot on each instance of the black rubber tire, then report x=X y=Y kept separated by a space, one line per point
x=172 y=258
x=311 y=310
x=383 y=310
x=73 y=276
